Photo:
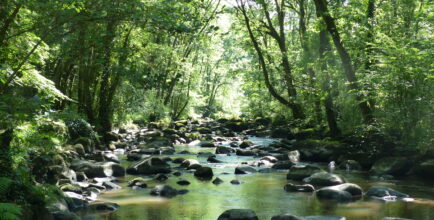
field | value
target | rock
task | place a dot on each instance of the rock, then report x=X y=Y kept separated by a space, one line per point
x=104 y=206
x=324 y=179
x=241 y=152
x=138 y=182
x=160 y=177
x=238 y=214
x=153 y=165
x=286 y=217
x=324 y=218
x=213 y=160
x=178 y=160
x=65 y=215
x=167 y=150
x=283 y=165
x=75 y=201
x=270 y=159
x=93 y=170
x=298 y=188
x=299 y=172
x=234 y=144
x=217 y=181
x=204 y=130
x=183 y=182
x=112 y=136
x=340 y=192
x=188 y=162
x=349 y=165
x=118 y=170
x=205 y=154
x=79 y=149
x=111 y=186
x=71 y=188
x=207 y=144
x=294 y=156
x=194 y=166
x=177 y=173
x=352 y=188
x=246 y=144
x=109 y=156
x=81 y=177
x=224 y=150
x=396 y=166
x=136 y=156
x=245 y=170
x=164 y=191
x=204 y=172
x=235 y=182
x=332 y=194
x=385 y=193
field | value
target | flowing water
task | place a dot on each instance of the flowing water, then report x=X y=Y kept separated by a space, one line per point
x=262 y=192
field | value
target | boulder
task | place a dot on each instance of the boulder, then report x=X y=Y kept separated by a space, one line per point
x=103 y=206
x=160 y=177
x=385 y=193
x=204 y=172
x=286 y=217
x=138 y=182
x=299 y=172
x=207 y=144
x=332 y=194
x=324 y=179
x=187 y=163
x=65 y=215
x=283 y=165
x=213 y=160
x=153 y=165
x=238 y=214
x=217 y=181
x=224 y=150
x=298 y=188
x=178 y=160
x=325 y=217
x=245 y=170
x=164 y=191
x=241 y=152
x=246 y=144
x=235 y=182
x=183 y=182
x=101 y=169
x=79 y=149
x=271 y=159
x=396 y=166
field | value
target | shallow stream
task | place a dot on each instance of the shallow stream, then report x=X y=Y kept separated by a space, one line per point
x=262 y=192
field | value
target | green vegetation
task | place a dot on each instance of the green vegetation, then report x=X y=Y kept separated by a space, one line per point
x=361 y=72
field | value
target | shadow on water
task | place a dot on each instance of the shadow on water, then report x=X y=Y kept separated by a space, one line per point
x=261 y=192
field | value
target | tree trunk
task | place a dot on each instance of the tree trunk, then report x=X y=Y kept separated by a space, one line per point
x=296 y=109
x=324 y=47
x=321 y=7
x=105 y=109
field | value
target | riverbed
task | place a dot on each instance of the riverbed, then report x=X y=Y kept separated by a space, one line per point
x=261 y=192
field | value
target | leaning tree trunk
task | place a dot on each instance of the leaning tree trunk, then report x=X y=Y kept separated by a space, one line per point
x=322 y=10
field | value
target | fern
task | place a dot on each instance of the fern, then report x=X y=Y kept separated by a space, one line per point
x=5 y=183
x=10 y=211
